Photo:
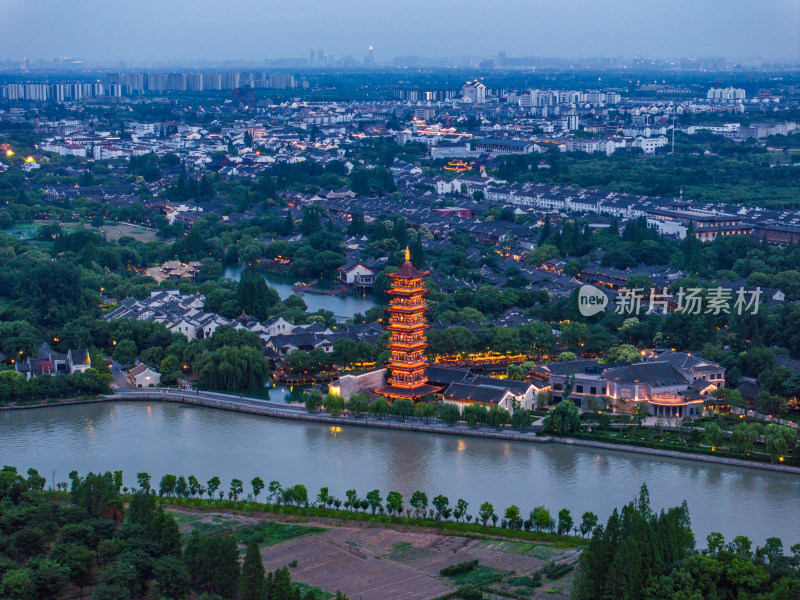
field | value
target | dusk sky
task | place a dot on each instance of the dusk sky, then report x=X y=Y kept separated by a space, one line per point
x=165 y=30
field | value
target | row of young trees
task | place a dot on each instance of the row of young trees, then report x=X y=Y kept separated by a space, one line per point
x=394 y=504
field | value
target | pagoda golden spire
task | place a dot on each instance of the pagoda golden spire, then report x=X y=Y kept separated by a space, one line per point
x=408 y=254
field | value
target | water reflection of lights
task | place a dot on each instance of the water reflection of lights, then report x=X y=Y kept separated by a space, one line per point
x=461 y=445
x=149 y=411
x=335 y=429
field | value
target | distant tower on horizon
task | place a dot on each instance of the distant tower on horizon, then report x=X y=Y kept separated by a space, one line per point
x=369 y=59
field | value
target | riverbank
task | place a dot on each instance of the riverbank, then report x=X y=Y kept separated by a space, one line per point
x=297 y=412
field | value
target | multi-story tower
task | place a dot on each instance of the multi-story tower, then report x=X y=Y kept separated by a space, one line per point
x=407 y=325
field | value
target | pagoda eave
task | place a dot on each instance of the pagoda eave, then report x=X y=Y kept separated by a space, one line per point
x=393 y=391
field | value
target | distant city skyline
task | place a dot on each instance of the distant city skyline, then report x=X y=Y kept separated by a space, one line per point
x=250 y=30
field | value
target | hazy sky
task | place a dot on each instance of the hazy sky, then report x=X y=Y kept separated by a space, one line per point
x=256 y=29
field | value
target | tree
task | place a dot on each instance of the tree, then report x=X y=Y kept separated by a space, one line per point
x=622 y=354
x=521 y=419
x=449 y=413
x=194 y=485
x=17 y=584
x=49 y=578
x=171 y=576
x=512 y=517
x=563 y=419
x=300 y=494
x=334 y=404
x=78 y=559
x=425 y=410
x=744 y=436
x=166 y=486
x=356 y=405
x=254 y=296
x=170 y=369
x=394 y=502
x=403 y=408
x=779 y=440
x=440 y=503
x=125 y=352
x=379 y=408
x=313 y=400
x=143 y=479
x=541 y=518
x=461 y=509
x=258 y=485
x=564 y=521
x=253 y=583
x=374 y=500
x=588 y=523
x=118 y=480
x=352 y=499
x=213 y=485
x=486 y=512
x=182 y=487
x=419 y=502
x=237 y=487
x=714 y=436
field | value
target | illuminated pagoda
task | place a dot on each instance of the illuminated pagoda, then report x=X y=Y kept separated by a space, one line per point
x=407 y=325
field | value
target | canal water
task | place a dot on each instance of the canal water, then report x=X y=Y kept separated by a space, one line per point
x=341 y=306
x=170 y=438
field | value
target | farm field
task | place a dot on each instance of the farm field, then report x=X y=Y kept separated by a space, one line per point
x=374 y=562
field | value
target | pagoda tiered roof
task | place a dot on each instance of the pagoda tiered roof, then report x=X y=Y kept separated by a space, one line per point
x=407 y=327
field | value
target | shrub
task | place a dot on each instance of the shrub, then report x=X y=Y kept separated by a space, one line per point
x=554 y=571
x=458 y=568
x=469 y=592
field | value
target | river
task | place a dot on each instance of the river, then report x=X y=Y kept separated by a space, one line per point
x=170 y=438
x=342 y=306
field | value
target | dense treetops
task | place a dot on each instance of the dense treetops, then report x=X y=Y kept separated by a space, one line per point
x=121 y=553
x=641 y=554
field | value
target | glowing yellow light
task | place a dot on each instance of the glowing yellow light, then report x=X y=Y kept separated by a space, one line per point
x=29 y=159
x=9 y=153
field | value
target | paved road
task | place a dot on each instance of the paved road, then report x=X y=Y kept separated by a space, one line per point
x=120 y=377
